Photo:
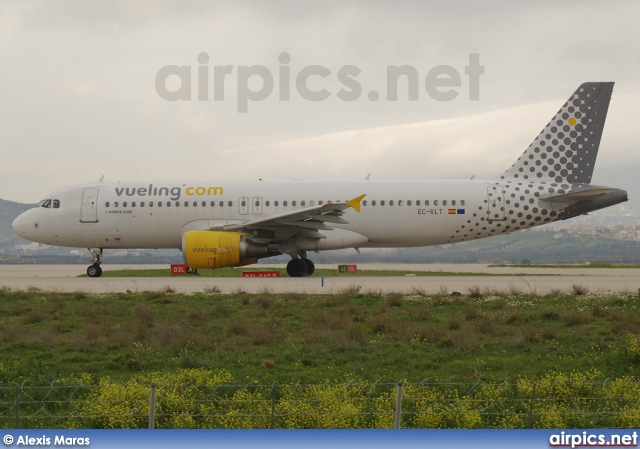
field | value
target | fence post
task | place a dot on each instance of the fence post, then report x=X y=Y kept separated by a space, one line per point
x=273 y=406
x=533 y=397
x=152 y=408
x=398 y=405
x=17 y=407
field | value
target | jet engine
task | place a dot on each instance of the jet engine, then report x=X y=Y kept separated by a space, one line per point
x=218 y=249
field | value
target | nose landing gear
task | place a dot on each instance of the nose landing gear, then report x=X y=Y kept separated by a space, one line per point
x=94 y=270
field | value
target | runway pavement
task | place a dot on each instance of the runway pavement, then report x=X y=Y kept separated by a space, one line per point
x=65 y=278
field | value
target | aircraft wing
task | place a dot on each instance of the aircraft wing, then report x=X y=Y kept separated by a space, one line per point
x=302 y=221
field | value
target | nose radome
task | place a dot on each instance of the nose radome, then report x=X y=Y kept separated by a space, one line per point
x=20 y=225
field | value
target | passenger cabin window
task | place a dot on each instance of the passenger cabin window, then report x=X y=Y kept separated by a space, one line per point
x=275 y=203
x=133 y=204
x=391 y=203
x=382 y=203
x=364 y=203
x=230 y=203
x=115 y=204
x=408 y=202
x=293 y=203
x=106 y=204
x=150 y=203
x=373 y=202
x=453 y=202
x=221 y=203
x=435 y=202
x=284 y=203
x=444 y=202
x=462 y=202
x=426 y=203
x=399 y=202
x=141 y=203
x=124 y=204
x=418 y=203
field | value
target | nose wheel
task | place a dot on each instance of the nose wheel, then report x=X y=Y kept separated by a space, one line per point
x=94 y=270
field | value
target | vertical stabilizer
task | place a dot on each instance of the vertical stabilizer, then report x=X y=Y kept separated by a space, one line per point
x=566 y=149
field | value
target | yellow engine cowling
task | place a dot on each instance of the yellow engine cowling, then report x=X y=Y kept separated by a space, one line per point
x=218 y=249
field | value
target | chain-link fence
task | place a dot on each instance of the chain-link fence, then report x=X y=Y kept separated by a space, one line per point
x=552 y=402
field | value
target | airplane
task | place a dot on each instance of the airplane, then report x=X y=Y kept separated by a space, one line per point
x=228 y=224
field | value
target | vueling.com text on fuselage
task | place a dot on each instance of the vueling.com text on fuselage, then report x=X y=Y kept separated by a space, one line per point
x=174 y=193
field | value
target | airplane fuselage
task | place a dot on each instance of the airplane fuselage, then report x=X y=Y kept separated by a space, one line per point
x=393 y=213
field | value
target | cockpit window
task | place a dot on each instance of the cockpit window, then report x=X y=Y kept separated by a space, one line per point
x=49 y=203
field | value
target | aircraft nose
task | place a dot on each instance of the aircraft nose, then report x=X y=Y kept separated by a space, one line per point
x=21 y=225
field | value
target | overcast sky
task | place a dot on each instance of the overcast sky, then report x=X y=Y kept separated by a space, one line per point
x=79 y=97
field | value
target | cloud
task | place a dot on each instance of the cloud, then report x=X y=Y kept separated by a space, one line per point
x=79 y=100
x=483 y=145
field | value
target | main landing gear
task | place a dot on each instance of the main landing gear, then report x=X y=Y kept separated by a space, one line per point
x=94 y=271
x=297 y=268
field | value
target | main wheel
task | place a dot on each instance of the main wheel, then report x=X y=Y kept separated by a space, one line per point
x=94 y=271
x=310 y=267
x=297 y=268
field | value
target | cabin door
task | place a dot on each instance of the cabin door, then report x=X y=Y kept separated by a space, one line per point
x=89 y=206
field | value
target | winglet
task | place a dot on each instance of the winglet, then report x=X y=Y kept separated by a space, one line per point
x=355 y=203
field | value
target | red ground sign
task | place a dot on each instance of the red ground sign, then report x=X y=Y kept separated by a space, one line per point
x=260 y=274
x=179 y=269
x=347 y=268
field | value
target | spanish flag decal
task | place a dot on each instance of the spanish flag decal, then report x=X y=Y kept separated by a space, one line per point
x=456 y=212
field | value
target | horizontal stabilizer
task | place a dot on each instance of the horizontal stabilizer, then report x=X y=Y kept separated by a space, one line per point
x=562 y=200
x=581 y=195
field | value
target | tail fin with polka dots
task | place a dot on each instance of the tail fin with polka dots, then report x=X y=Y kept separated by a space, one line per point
x=566 y=149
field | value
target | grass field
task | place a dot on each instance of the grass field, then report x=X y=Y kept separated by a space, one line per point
x=267 y=337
